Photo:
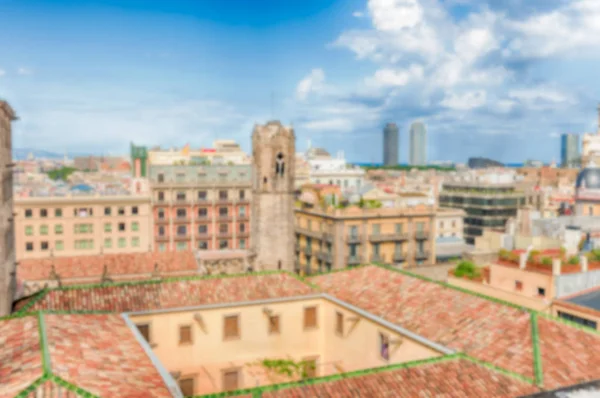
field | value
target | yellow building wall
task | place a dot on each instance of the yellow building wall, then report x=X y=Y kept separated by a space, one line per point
x=504 y=278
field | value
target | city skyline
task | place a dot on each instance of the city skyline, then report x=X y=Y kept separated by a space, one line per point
x=484 y=82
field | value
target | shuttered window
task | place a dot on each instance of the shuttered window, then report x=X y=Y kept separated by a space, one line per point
x=310 y=317
x=231 y=380
x=231 y=328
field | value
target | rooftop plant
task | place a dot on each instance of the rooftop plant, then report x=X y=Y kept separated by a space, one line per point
x=574 y=260
x=468 y=269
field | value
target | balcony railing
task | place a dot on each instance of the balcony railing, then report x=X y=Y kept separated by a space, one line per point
x=327 y=236
x=353 y=238
x=182 y=237
x=181 y=201
x=224 y=217
x=325 y=256
x=376 y=258
x=399 y=257
x=162 y=238
x=297 y=246
x=395 y=237
x=308 y=232
x=202 y=218
x=353 y=260
x=224 y=234
x=201 y=201
x=223 y=200
x=242 y=217
x=180 y=220
x=162 y=220
x=242 y=201
x=308 y=250
x=243 y=234
x=202 y=235
x=422 y=255
x=420 y=235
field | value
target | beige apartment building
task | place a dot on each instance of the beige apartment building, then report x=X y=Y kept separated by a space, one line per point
x=335 y=238
x=82 y=225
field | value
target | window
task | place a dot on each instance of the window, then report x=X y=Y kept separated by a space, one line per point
x=384 y=346
x=59 y=245
x=161 y=214
x=203 y=245
x=181 y=230
x=161 y=196
x=279 y=165
x=108 y=227
x=579 y=320
x=202 y=229
x=310 y=317
x=242 y=227
x=161 y=177
x=242 y=243
x=43 y=230
x=181 y=213
x=122 y=243
x=180 y=196
x=121 y=226
x=181 y=246
x=135 y=242
x=28 y=213
x=420 y=226
x=29 y=230
x=231 y=327
x=57 y=212
x=108 y=243
x=354 y=231
x=185 y=334
x=223 y=228
x=187 y=386
x=541 y=291
x=242 y=194
x=398 y=228
x=223 y=244
x=107 y=211
x=161 y=231
x=231 y=380
x=223 y=211
x=29 y=246
x=43 y=213
x=242 y=211
x=274 y=324
x=201 y=195
x=223 y=195
x=134 y=210
x=518 y=285
x=339 y=323
x=135 y=226
x=180 y=177
x=162 y=247
x=376 y=249
x=58 y=229
x=121 y=211
x=144 y=331
x=202 y=212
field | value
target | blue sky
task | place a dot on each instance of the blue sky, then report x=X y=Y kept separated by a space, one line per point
x=500 y=78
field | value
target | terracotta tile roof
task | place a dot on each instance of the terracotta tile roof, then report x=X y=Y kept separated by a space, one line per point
x=20 y=358
x=483 y=329
x=172 y=293
x=116 y=264
x=76 y=347
x=460 y=378
x=569 y=355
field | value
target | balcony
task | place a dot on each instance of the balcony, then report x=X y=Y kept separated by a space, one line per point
x=224 y=217
x=162 y=201
x=397 y=237
x=399 y=257
x=422 y=235
x=181 y=201
x=180 y=220
x=325 y=256
x=243 y=201
x=202 y=201
x=353 y=238
x=328 y=237
x=376 y=258
x=224 y=235
x=161 y=238
x=223 y=201
x=353 y=260
x=297 y=246
x=308 y=250
x=180 y=237
x=202 y=219
x=422 y=255
x=310 y=233
x=243 y=234
x=242 y=217
x=202 y=236
x=163 y=220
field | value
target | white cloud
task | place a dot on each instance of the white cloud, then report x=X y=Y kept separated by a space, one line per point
x=466 y=101
x=314 y=82
x=336 y=124
x=24 y=71
x=2 y=72
x=395 y=15
x=358 y=14
x=391 y=77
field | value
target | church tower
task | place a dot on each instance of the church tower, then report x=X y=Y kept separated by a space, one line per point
x=272 y=219
x=7 y=224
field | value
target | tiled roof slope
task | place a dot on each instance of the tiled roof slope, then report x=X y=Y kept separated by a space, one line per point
x=458 y=378
x=141 y=296
x=52 y=353
x=20 y=355
x=116 y=264
x=483 y=329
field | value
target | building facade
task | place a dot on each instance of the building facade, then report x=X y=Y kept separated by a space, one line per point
x=82 y=225
x=587 y=192
x=418 y=144
x=7 y=227
x=200 y=207
x=390 y=145
x=339 y=238
x=487 y=205
x=449 y=240
x=273 y=154
x=338 y=172
x=569 y=150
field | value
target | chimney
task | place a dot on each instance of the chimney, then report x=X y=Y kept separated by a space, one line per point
x=522 y=260
x=583 y=261
x=556 y=264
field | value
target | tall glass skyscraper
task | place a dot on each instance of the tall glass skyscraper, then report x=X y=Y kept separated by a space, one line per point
x=569 y=150
x=418 y=144
x=390 y=145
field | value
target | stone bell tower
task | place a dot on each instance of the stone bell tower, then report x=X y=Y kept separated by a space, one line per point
x=272 y=219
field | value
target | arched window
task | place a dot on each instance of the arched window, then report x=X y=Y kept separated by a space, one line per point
x=279 y=165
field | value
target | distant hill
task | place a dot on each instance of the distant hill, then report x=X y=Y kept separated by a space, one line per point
x=22 y=153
